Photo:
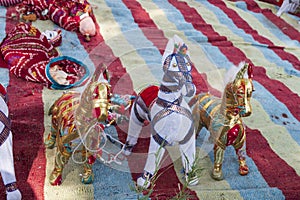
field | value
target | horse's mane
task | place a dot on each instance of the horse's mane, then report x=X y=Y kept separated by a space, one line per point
x=232 y=72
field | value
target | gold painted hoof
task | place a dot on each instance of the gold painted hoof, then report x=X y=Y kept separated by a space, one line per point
x=243 y=169
x=217 y=173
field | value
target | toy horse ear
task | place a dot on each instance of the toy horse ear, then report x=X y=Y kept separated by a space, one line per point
x=106 y=73
x=98 y=71
x=241 y=73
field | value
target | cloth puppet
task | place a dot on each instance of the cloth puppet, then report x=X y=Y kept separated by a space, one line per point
x=76 y=15
x=7 y=169
x=31 y=55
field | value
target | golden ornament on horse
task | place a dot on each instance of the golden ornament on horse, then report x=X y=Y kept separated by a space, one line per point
x=223 y=118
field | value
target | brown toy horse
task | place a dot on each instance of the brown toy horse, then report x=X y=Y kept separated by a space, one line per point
x=223 y=118
x=78 y=117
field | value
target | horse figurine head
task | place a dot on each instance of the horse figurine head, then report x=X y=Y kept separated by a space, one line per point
x=177 y=67
x=94 y=101
x=237 y=93
x=79 y=115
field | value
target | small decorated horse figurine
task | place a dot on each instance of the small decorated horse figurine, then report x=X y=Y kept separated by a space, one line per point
x=79 y=119
x=223 y=118
x=169 y=114
x=7 y=168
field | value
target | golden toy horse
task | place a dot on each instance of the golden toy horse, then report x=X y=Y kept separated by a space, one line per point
x=223 y=118
x=79 y=118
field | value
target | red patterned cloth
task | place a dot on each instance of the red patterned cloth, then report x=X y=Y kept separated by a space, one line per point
x=37 y=7
x=29 y=55
x=9 y=2
x=27 y=52
x=66 y=14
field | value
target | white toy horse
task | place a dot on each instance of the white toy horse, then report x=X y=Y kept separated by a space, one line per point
x=6 y=152
x=169 y=114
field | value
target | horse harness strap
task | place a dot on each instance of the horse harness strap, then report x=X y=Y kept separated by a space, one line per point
x=169 y=89
x=139 y=101
x=165 y=104
x=165 y=112
x=7 y=127
x=137 y=114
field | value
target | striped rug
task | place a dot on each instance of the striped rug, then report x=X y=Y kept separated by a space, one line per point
x=131 y=39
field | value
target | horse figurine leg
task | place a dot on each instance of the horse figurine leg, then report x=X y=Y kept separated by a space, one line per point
x=235 y=137
x=239 y=145
x=139 y=116
x=217 y=172
x=50 y=141
x=7 y=170
x=64 y=152
x=60 y=160
x=88 y=174
x=243 y=167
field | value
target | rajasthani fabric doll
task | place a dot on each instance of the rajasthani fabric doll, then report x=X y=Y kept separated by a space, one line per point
x=7 y=169
x=75 y=15
x=31 y=55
